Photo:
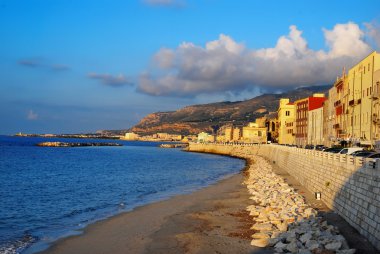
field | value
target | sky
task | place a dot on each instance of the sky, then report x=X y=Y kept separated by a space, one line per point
x=78 y=66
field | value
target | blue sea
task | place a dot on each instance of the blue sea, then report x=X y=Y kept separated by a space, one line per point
x=48 y=192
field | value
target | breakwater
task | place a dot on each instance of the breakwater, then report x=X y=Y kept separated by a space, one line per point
x=348 y=185
x=76 y=144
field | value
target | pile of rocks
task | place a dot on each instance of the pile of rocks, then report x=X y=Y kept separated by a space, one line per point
x=283 y=220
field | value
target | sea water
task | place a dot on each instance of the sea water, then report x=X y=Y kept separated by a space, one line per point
x=50 y=192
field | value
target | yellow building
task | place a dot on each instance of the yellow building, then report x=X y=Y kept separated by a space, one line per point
x=329 y=135
x=254 y=133
x=361 y=108
x=237 y=133
x=131 y=136
x=286 y=125
x=228 y=133
x=204 y=137
x=224 y=133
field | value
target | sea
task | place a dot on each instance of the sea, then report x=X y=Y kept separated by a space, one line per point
x=47 y=193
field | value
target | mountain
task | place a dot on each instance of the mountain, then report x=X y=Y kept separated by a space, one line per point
x=208 y=117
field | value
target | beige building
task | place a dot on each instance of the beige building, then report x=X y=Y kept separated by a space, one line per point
x=272 y=126
x=204 y=137
x=131 y=136
x=286 y=125
x=224 y=134
x=254 y=133
x=237 y=134
x=329 y=136
x=361 y=107
x=315 y=127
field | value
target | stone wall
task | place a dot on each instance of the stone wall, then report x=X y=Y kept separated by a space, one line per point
x=348 y=185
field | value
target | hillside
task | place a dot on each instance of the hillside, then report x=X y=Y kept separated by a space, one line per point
x=205 y=117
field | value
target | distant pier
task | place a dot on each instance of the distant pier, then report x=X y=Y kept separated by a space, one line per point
x=75 y=144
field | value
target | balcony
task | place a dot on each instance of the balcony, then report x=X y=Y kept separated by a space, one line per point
x=337 y=103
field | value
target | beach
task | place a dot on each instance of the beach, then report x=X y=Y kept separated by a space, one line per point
x=211 y=220
x=221 y=218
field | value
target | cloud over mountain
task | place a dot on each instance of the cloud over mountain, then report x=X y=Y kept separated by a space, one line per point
x=225 y=65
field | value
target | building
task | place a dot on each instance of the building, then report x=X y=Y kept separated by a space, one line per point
x=254 y=133
x=271 y=124
x=302 y=108
x=237 y=134
x=204 y=137
x=329 y=135
x=224 y=133
x=314 y=126
x=131 y=136
x=286 y=117
x=361 y=111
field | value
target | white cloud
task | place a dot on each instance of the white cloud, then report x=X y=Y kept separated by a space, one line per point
x=32 y=115
x=227 y=66
x=373 y=32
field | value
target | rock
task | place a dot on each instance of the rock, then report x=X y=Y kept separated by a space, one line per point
x=283 y=226
x=280 y=245
x=260 y=235
x=260 y=242
x=333 y=246
x=273 y=241
x=310 y=212
x=312 y=244
x=305 y=237
x=292 y=247
x=254 y=213
x=304 y=251
x=262 y=227
x=291 y=236
x=350 y=251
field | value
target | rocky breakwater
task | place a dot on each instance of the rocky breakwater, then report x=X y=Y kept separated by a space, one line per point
x=76 y=144
x=283 y=220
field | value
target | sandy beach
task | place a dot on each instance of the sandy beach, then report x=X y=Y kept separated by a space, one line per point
x=211 y=220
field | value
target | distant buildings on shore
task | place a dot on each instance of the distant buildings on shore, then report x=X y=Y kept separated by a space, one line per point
x=349 y=115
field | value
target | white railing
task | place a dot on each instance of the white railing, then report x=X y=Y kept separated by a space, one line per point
x=342 y=159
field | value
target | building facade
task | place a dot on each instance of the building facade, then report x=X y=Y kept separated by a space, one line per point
x=302 y=107
x=286 y=117
x=362 y=113
x=254 y=133
x=314 y=126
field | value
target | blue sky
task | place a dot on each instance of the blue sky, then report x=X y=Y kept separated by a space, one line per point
x=81 y=66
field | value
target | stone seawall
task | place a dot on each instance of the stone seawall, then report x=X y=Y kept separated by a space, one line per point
x=350 y=186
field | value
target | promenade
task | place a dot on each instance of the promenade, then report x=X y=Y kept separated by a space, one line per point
x=329 y=175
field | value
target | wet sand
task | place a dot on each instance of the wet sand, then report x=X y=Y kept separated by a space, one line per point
x=211 y=220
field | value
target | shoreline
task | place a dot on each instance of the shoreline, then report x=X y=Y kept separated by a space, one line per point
x=212 y=218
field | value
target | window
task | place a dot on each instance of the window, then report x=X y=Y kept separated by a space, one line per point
x=287 y=113
x=369 y=67
x=259 y=132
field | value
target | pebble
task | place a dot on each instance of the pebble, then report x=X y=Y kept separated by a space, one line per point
x=282 y=218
